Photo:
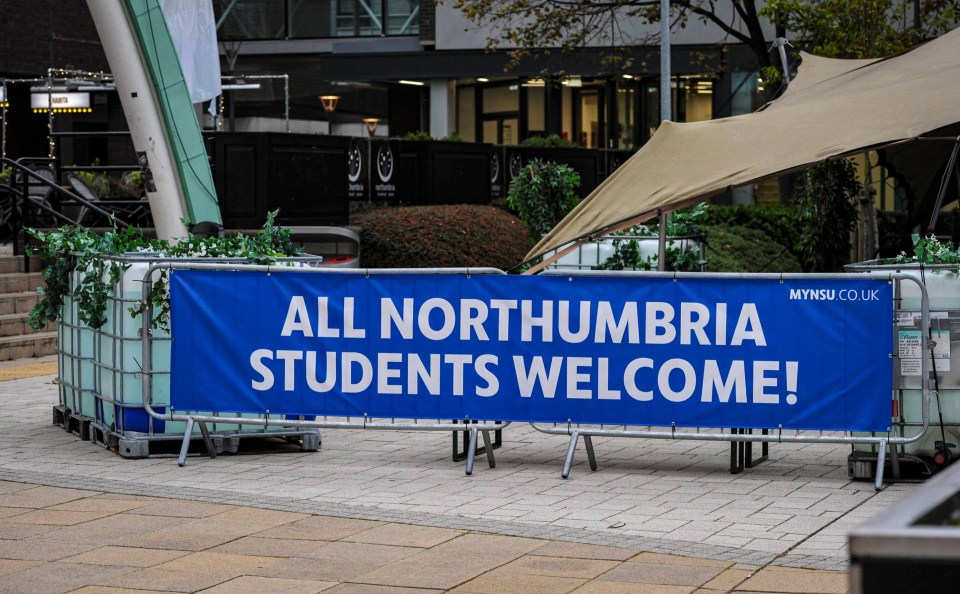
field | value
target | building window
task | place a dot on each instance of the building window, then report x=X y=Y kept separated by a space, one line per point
x=311 y=19
x=627 y=117
x=466 y=113
x=500 y=118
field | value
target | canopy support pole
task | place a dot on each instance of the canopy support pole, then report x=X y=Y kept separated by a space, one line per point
x=662 y=241
x=944 y=183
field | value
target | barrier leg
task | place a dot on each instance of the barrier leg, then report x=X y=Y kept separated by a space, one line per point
x=187 y=433
x=736 y=453
x=471 y=450
x=459 y=456
x=894 y=462
x=456 y=452
x=748 y=458
x=591 y=458
x=568 y=462
x=488 y=448
x=881 y=462
x=211 y=451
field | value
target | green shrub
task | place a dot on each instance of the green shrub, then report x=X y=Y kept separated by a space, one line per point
x=452 y=137
x=552 y=141
x=736 y=248
x=441 y=236
x=419 y=135
x=543 y=194
x=778 y=222
x=827 y=213
x=685 y=222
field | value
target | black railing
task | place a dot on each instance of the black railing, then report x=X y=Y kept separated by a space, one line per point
x=33 y=198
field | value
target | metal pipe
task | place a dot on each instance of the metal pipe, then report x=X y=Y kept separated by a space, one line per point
x=666 y=93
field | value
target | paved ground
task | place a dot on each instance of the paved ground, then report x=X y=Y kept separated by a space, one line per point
x=375 y=510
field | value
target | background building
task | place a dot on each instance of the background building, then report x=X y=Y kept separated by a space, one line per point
x=417 y=66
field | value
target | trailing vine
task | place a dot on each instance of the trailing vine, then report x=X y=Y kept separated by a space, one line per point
x=929 y=250
x=78 y=254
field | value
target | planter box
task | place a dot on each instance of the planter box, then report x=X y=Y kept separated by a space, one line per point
x=101 y=389
x=913 y=546
x=594 y=253
x=943 y=289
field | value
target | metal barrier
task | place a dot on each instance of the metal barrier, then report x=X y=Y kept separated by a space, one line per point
x=737 y=435
x=99 y=370
x=473 y=428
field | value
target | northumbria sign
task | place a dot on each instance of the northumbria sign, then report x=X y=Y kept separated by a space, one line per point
x=695 y=352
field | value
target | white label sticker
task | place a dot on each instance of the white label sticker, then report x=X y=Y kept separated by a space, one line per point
x=911 y=344
x=909 y=367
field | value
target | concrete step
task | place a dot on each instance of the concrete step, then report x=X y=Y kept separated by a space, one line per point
x=27 y=346
x=16 y=324
x=18 y=303
x=17 y=264
x=20 y=282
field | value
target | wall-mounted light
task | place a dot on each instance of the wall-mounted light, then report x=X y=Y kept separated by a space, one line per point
x=329 y=102
x=415 y=83
x=371 y=124
x=482 y=79
x=573 y=81
x=627 y=76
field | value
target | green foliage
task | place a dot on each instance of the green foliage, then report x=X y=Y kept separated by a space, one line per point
x=825 y=206
x=779 y=223
x=552 y=141
x=861 y=28
x=133 y=181
x=452 y=137
x=543 y=194
x=72 y=250
x=419 y=135
x=441 y=236
x=536 y=28
x=683 y=222
x=5 y=175
x=687 y=222
x=737 y=248
x=627 y=256
x=928 y=250
x=100 y=184
x=107 y=186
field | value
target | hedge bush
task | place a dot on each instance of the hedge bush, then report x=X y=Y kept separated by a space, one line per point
x=441 y=236
x=735 y=248
x=779 y=223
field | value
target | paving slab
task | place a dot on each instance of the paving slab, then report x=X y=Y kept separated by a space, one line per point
x=676 y=499
x=249 y=584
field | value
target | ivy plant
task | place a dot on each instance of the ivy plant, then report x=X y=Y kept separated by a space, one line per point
x=78 y=253
x=928 y=250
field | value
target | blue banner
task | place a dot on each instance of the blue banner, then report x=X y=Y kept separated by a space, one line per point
x=695 y=352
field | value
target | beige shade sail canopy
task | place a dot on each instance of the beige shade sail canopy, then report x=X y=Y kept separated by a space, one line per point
x=833 y=108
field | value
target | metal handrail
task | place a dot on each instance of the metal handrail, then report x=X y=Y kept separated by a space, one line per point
x=22 y=195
